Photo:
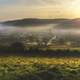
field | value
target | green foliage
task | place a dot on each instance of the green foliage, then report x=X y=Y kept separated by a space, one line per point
x=37 y=68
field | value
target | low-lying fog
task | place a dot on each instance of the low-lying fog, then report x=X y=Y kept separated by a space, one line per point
x=28 y=29
x=44 y=30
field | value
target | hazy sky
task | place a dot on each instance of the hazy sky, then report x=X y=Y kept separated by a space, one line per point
x=12 y=9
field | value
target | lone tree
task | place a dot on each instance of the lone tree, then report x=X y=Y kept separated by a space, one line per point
x=17 y=46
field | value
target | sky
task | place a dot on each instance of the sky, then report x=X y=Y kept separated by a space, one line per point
x=15 y=9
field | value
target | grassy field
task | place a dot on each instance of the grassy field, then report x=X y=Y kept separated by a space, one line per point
x=39 y=68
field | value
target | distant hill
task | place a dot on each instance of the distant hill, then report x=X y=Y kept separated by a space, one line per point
x=74 y=23
x=34 y=22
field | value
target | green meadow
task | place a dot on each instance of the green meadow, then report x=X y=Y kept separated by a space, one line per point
x=39 y=68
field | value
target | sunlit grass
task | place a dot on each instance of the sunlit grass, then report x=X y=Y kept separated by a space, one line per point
x=19 y=68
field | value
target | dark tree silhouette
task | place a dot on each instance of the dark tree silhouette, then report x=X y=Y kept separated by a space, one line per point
x=17 y=46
